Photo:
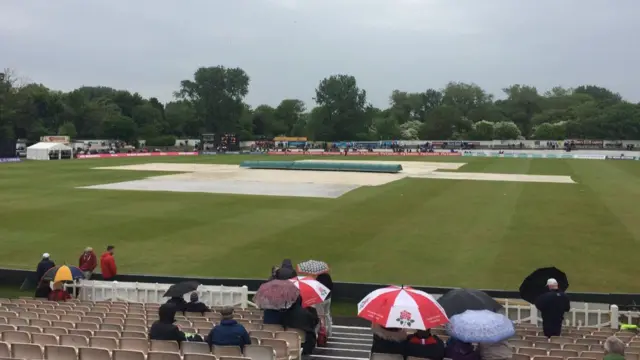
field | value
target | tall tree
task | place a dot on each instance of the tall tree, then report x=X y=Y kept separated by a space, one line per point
x=344 y=107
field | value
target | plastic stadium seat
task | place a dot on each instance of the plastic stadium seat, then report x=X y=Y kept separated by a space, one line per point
x=74 y=340
x=5 y=350
x=272 y=327
x=547 y=358
x=128 y=355
x=30 y=329
x=259 y=352
x=134 y=334
x=520 y=357
x=563 y=353
x=160 y=355
x=56 y=352
x=279 y=346
x=107 y=333
x=70 y=318
x=92 y=320
x=547 y=345
x=165 y=346
x=111 y=326
x=588 y=341
x=138 y=328
x=521 y=343
x=133 y=344
x=26 y=351
x=293 y=342
x=50 y=317
x=227 y=351
x=532 y=351
x=18 y=321
x=16 y=337
x=598 y=355
x=41 y=323
x=93 y=354
x=7 y=327
x=103 y=343
x=234 y=358
x=29 y=315
x=199 y=357
x=195 y=348
x=577 y=347
x=44 y=339
x=262 y=334
x=8 y=314
x=63 y=324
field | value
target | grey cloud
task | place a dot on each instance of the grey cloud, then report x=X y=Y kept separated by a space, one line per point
x=288 y=46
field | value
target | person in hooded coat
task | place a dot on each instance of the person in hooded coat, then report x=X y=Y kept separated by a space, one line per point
x=297 y=317
x=164 y=329
x=195 y=306
x=286 y=270
x=388 y=340
x=178 y=302
x=229 y=332
x=424 y=345
x=325 y=306
x=43 y=266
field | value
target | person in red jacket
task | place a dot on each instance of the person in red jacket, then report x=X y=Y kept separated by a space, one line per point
x=108 y=264
x=59 y=293
x=88 y=262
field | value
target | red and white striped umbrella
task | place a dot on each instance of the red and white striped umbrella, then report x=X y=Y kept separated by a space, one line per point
x=402 y=307
x=311 y=290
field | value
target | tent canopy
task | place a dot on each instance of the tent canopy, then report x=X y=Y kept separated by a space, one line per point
x=49 y=146
x=40 y=151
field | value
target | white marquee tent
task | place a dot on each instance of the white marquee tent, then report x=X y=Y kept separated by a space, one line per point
x=40 y=151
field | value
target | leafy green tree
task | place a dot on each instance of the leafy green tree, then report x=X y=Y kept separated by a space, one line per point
x=385 y=128
x=288 y=114
x=506 y=130
x=68 y=129
x=344 y=107
x=547 y=131
x=482 y=130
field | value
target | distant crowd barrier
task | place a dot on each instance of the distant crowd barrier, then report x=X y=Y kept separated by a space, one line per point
x=90 y=290
x=124 y=155
x=534 y=155
x=363 y=153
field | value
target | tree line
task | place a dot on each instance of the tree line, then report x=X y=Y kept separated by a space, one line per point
x=213 y=102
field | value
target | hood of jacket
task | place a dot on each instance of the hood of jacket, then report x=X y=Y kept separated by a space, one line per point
x=387 y=334
x=286 y=264
x=167 y=313
x=105 y=255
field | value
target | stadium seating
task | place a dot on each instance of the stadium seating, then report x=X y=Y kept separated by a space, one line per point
x=75 y=330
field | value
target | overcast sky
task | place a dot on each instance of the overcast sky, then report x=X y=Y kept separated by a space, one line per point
x=288 y=46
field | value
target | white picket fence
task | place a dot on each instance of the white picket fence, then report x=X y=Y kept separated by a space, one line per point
x=583 y=315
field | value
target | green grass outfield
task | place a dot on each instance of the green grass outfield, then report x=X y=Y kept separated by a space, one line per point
x=414 y=231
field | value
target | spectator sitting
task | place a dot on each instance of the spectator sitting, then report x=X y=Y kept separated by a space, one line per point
x=59 y=293
x=423 y=344
x=325 y=307
x=460 y=350
x=195 y=306
x=496 y=351
x=613 y=349
x=297 y=317
x=179 y=303
x=388 y=340
x=163 y=328
x=228 y=332
x=43 y=290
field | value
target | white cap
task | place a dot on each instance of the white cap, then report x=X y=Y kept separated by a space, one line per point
x=45 y=255
x=552 y=282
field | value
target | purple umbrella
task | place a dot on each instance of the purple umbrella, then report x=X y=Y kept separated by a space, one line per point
x=276 y=295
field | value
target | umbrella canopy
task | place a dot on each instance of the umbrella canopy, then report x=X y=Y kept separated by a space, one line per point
x=276 y=295
x=179 y=289
x=63 y=273
x=535 y=284
x=481 y=326
x=402 y=307
x=311 y=290
x=313 y=267
x=457 y=301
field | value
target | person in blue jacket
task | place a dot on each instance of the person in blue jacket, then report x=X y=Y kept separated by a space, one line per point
x=229 y=332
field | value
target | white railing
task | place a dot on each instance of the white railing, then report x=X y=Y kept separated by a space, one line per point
x=90 y=290
x=582 y=316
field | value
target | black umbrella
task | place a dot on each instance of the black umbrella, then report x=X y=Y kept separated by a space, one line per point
x=535 y=284
x=179 y=289
x=457 y=301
